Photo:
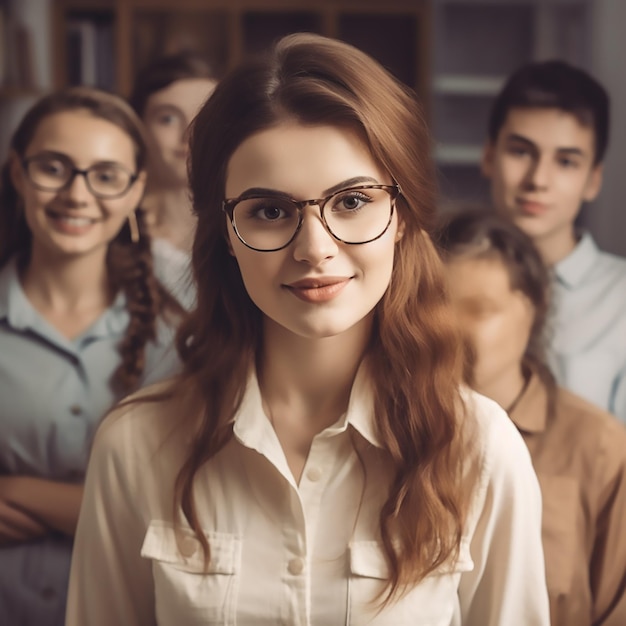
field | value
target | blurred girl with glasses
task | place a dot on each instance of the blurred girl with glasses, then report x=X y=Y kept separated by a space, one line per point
x=319 y=460
x=83 y=322
x=500 y=289
x=166 y=95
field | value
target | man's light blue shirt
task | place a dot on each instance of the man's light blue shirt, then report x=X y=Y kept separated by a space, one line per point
x=53 y=393
x=588 y=346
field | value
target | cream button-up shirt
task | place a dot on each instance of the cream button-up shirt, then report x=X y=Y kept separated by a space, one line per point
x=295 y=554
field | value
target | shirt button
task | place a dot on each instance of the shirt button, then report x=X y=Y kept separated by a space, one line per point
x=75 y=409
x=188 y=546
x=314 y=474
x=296 y=566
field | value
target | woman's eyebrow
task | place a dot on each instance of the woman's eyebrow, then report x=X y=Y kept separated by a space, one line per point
x=345 y=184
x=263 y=191
x=350 y=182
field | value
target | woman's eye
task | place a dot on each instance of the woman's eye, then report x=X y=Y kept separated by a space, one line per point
x=52 y=168
x=263 y=210
x=168 y=119
x=107 y=176
x=351 y=202
x=269 y=212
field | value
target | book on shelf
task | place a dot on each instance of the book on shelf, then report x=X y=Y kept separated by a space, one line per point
x=17 y=69
x=3 y=44
x=89 y=53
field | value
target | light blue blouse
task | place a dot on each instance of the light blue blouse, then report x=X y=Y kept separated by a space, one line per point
x=588 y=347
x=53 y=393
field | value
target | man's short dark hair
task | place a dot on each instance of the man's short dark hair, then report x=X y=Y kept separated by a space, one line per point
x=555 y=85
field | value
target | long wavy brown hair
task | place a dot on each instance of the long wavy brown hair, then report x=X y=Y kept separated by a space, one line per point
x=315 y=80
x=129 y=264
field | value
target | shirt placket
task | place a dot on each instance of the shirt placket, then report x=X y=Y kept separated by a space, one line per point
x=313 y=483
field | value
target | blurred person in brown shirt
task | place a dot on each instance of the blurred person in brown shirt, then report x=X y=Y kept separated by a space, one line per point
x=500 y=289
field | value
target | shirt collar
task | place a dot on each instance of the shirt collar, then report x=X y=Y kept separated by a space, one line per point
x=253 y=429
x=360 y=414
x=530 y=414
x=21 y=315
x=571 y=270
x=113 y=321
x=14 y=306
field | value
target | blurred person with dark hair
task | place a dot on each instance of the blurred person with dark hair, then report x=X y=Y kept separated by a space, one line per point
x=548 y=134
x=167 y=94
x=500 y=289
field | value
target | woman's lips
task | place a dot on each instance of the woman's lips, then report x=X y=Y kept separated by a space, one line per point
x=317 y=290
x=529 y=207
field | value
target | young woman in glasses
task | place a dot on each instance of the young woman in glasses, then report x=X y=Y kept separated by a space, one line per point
x=83 y=322
x=318 y=461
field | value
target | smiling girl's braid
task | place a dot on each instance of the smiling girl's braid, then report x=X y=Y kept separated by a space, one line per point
x=130 y=269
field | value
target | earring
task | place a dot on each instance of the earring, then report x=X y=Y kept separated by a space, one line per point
x=133 y=227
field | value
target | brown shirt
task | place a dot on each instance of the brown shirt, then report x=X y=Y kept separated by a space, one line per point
x=579 y=455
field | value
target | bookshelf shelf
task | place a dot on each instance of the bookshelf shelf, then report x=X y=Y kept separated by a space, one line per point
x=468 y=84
x=477 y=44
x=9 y=92
x=458 y=154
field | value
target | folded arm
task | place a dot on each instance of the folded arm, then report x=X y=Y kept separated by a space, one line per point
x=33 y=506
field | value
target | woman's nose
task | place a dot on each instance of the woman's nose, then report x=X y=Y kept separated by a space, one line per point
x=314 y=244
x=77 y=189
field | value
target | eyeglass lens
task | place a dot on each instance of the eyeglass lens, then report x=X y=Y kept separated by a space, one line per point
x=353 y=215
x=52 y=173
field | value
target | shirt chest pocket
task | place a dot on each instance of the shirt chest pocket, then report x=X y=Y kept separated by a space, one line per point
x=431 y=603
x=187 y=593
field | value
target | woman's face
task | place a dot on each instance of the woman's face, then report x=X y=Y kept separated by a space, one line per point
x=72 y=220
x=167 y=116
x=496 y=319
x=317 y=286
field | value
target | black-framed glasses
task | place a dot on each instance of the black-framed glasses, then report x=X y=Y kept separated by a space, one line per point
x=52 y=171
x=270 y=222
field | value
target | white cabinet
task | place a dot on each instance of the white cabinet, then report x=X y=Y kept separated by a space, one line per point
x=476 y=45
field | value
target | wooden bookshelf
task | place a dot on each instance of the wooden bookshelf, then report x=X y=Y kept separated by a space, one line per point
x=396 y=32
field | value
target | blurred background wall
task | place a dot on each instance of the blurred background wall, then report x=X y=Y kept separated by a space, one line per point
x=455 y=53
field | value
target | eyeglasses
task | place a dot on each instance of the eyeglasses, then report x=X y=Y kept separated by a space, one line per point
x=53 y=172
x=355 y=215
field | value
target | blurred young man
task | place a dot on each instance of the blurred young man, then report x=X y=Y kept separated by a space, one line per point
x=548 y=133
